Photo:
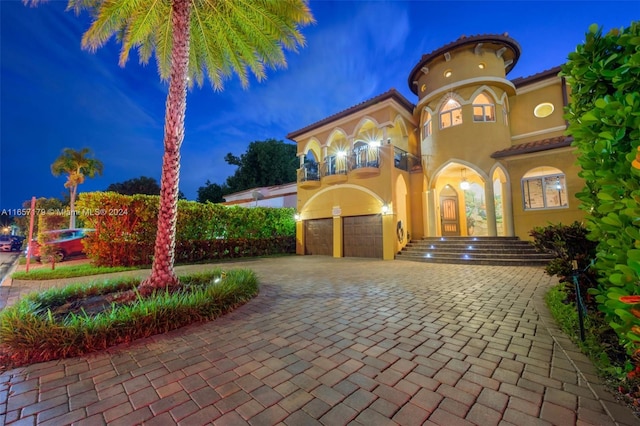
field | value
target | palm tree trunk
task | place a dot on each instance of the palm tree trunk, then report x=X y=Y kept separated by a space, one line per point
x=73 y=191
x=162 y=272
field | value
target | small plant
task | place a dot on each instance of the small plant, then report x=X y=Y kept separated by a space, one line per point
x=573 y=251
x=77 y=319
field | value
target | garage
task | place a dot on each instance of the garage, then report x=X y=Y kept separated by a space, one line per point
x=362 y=236
x=318 y=237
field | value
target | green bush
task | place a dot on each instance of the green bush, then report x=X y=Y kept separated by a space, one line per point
x=57 y=324
x=126 y=230
x=604 y=76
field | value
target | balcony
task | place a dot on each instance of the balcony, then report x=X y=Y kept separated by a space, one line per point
x=365 y=161
x=334 y=169
x=404 y=161
x=309 y=176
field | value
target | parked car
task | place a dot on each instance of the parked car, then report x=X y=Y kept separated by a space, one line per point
x=11 y=242
x=65 y=243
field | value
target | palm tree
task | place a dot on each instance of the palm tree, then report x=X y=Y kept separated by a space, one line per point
x=77 y=166
x=189 y=38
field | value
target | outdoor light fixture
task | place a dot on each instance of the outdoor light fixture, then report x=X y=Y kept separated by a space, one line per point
x=464 y=184
x=296 y=217
x=341 y=154
x=385 y=209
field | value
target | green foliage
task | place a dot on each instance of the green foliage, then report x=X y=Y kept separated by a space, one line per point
x=68 y=272
x=142 y=185
x=600 y=343
x=126 y=229
x=44 y=326
x=212 y=192
x=568 y=243
x=604 y=120
x=266 y=163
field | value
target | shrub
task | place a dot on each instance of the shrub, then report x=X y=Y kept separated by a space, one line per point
x=604 y=75
x=126 y=230
x=569 y=244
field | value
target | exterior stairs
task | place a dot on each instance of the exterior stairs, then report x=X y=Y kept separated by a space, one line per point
x=474 y=251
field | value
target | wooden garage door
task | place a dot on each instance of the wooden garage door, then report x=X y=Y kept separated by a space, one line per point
x=318 y=236
x=362 y=236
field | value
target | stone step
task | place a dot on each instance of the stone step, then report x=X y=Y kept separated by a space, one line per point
x=475 y=250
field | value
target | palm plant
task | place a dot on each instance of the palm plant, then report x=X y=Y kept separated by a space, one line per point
x=77 y=165
x=191 y=38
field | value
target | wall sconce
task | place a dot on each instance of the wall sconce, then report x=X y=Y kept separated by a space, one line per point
x=385 y=209
x=464 y=184
x=297 y=217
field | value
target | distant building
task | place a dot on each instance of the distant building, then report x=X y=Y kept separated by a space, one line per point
x=478 y=154
x=268 y=196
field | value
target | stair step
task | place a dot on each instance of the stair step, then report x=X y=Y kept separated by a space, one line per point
x=475 y=250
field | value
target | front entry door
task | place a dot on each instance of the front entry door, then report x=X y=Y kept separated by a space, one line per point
x=449 y=217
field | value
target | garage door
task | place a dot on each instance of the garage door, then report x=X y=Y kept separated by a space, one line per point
x=362 y=236
x=318 y=236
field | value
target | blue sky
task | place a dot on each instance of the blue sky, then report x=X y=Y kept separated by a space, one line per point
x=54 y=95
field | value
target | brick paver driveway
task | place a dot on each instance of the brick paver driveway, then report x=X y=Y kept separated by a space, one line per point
x=338 y=341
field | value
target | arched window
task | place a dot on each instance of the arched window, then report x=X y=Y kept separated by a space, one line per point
x=505 y=112
x=483 y=108
x=544 y=188
x=450 y=114
x=427 y=128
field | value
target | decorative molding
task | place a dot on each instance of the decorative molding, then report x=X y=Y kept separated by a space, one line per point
x=451 y=87
x=478 y=49
x=500 y=52
x=539 y=132
x=447 y=56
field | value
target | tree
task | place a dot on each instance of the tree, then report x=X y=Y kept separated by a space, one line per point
x=43 y=205
x=142 y=185
x=212 y=192
x=190 y=38
x=77 y=166
x=266 y=163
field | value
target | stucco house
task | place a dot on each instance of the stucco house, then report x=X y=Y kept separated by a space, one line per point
x=477 y=155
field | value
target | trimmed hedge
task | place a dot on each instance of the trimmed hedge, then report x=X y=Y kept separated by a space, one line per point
x=126 y=230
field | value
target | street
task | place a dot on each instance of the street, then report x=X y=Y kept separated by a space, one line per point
x=6 y=262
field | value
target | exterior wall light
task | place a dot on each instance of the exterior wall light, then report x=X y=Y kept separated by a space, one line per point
x=385 y=209
x=296 y=217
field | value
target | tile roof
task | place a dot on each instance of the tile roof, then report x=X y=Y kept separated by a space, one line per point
x=522 y=81
x=389 y=94
x=535 y=146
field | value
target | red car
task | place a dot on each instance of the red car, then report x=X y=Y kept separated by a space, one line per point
x=65 y=242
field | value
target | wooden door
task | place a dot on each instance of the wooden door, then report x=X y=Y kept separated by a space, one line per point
x=449 y=218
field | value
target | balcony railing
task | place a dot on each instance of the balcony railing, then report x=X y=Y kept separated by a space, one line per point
x=403 y=160
x=335 y=165
x=309 y=175
x=365 y=156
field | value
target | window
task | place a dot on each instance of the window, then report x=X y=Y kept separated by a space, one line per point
x=544 y=192
x=543 y=110
x=505 y=112
x=483 y=109
x=450 y=114
x=427 y=130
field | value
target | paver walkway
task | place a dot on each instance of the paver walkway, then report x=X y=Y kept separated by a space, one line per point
x=335 y=342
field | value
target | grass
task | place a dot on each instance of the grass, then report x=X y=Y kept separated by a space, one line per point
x=600 y=345
x=46 y=273
x=44 y=326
